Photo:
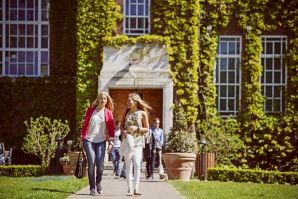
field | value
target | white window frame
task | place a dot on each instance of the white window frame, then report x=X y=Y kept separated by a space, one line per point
x=237 y=85
x=274 y=71
x=10 y=54
x=127 y=16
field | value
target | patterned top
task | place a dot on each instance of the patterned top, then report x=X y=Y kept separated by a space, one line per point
x=135 y=119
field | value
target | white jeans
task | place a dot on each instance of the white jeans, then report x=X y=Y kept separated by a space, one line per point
x=161 y=170
x=134 y=163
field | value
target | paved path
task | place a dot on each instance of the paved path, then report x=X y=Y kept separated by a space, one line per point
x=116 y=188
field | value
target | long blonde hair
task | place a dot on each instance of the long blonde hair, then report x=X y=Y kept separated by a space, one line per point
x=110 y=103
x=141 y=104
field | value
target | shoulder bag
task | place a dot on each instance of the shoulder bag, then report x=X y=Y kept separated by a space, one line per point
x=81 y=165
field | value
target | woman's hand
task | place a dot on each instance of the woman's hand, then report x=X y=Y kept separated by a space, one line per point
x=131 y=129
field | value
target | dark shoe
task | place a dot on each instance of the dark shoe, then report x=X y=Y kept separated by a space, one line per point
x=136 y=193
x=162 y=176
x=122 y=176
x=92 y=192
x=99 y=188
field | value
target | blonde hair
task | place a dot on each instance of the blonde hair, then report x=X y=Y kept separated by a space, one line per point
x=110 y=103
x=141 y=104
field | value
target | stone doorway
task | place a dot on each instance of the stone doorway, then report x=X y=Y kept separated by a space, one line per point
x=153 y=96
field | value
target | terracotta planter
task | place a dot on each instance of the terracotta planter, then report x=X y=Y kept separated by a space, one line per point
x=179 y=165
x=68 y=169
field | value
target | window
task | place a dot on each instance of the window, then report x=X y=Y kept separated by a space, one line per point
x=137 y=18
x=24 y=38
x=274 y=72
x=228 y=75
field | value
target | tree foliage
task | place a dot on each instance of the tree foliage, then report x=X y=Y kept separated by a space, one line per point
x=41 y=137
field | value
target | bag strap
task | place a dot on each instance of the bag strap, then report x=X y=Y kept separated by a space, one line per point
x=81 y=153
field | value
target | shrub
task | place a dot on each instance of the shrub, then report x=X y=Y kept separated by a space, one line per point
x=21 y=170
x=180 y=138
x=249 y=175
x=41 y=137
x=222 y=139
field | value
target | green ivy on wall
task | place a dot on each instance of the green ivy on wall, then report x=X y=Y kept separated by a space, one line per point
x=215 y=16
x=96 y=19
x=179 y=21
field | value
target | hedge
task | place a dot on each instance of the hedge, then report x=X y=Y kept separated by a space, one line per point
x=249 y=175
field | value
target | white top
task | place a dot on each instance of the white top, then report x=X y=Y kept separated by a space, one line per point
x=97 y=127
x=135 y=119
x=117 y=141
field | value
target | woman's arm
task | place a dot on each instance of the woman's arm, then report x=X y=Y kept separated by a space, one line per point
x=145 y=122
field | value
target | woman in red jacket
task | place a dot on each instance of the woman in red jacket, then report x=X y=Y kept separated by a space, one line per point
x=98 y=128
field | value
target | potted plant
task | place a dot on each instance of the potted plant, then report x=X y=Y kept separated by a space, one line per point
x=66 y=166
x=180 y=156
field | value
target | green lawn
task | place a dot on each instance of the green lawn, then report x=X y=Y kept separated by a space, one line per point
x=40 y=187
x=220 y=190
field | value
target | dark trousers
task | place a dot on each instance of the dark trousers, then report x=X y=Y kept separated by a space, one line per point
x=150 y=160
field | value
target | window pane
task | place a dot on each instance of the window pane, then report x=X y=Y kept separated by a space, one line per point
x=268 y=64
x=29 y=69
x=44 y=57
x=21 y=69
x=223 y=77
x=222 y=105
x=269 y=48
x=232 y=48
x=223 y=64
x=231 y=77
x=223 y=48
x=21 y=42
x=277 y=63
x=277 y=48
x=268 y=77
x=268 y=91
x=268 y=105
x=231 y=63
x=133 y=23
x=44 y=43
x=22 y=15
x=29 y=56
x=277 y=91
x=231 y=91
x=276 y=105
x=223 y=91
x=44 y=69
x=140 y=23
x=30 y=42
x=141 y=10
x=21 y=57
x=230 y=104
x=133 y=10
x=277 y=77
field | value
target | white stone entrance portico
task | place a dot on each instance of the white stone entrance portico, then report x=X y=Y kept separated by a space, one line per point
x=139 y=66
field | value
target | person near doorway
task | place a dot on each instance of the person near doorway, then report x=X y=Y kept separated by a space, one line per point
x=135 y=125
x=98 y=127
x=157 y=135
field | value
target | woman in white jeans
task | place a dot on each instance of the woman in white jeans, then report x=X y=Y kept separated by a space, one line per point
x=136 y=123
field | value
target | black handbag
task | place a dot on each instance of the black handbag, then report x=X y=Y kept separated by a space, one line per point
x=81 y=165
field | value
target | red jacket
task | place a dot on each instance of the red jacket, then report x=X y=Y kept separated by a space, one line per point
x=108 y=118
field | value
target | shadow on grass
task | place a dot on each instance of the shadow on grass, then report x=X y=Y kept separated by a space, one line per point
x=52 y=190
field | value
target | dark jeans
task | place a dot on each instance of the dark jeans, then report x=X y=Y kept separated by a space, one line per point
x=116 y=160
x=150 y=160
x=95 y=153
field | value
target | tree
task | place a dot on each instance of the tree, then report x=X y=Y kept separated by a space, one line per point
x=41 y=137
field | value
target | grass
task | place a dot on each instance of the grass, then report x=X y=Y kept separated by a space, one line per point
x=227 y=190
x=40 y=187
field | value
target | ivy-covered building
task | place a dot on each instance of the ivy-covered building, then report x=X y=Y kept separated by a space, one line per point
x=212 y=58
